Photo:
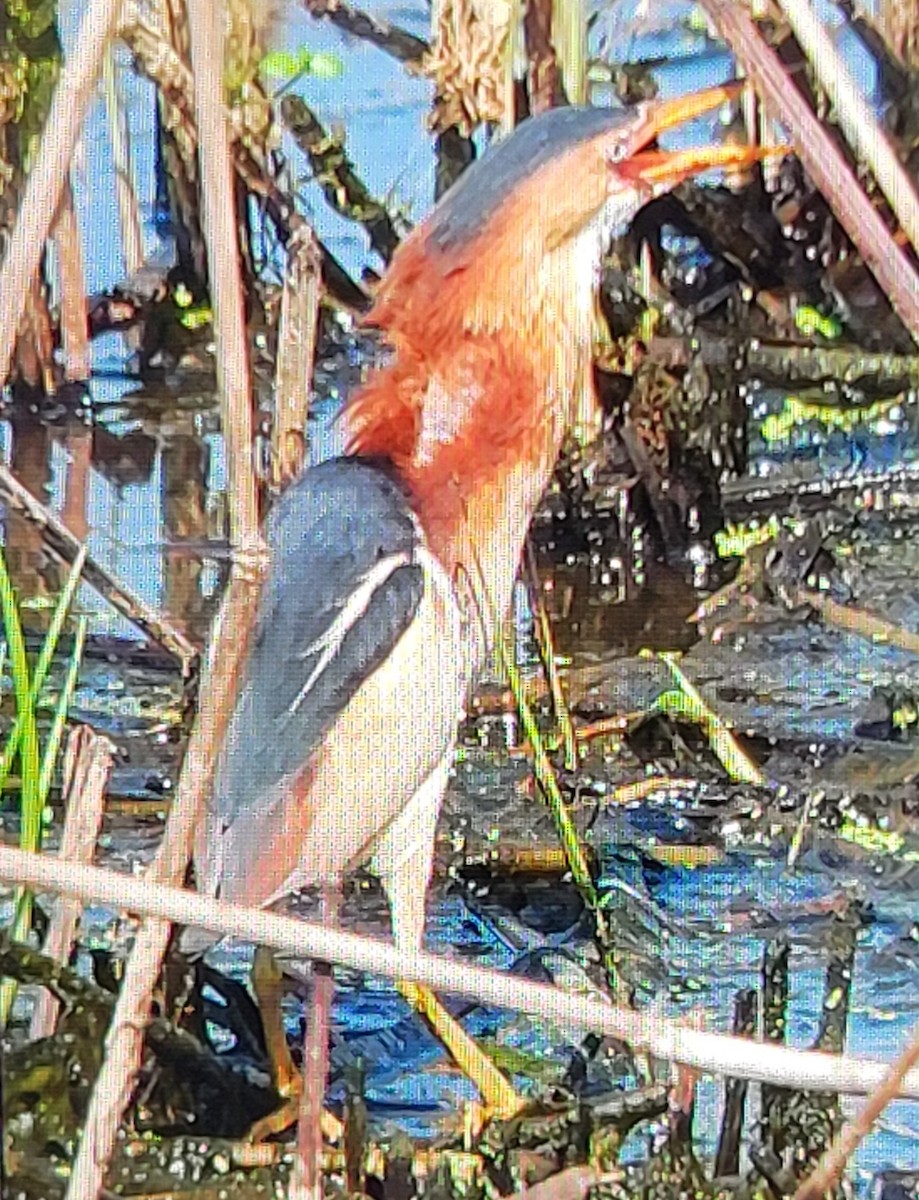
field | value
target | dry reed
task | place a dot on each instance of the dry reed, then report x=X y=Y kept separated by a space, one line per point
x=230 y=638
x=822 y=159
x=718 y=1053
x=46 y=179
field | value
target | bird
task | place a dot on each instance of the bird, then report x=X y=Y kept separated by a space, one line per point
x=393 y=563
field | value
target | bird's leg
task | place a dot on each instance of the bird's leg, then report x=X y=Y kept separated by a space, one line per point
x=404 y=859
x=266 y=983
x=306 y=1183
x=287 y=1077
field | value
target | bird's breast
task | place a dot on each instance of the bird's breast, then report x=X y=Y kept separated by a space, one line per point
x=484 y=551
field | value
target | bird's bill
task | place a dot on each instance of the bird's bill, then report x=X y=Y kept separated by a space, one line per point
x=660 y=115
x=661 y=170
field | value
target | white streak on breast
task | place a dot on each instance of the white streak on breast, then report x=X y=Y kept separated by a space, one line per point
x=443 y=413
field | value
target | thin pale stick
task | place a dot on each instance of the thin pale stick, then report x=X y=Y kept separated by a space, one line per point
x=822 y=159
x=87 y=765
x=830 y=1170
x=228 y=647
x=124 y=1040
x=718 y=1053
x=46 y=179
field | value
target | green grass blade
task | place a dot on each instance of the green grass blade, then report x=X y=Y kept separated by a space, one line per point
x=25 y=711
x=53 y=744
x=45 y=658
x=565 y=827
x=689 y=703
x=31 y=807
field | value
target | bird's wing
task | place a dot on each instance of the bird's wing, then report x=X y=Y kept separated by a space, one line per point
x=343 y=587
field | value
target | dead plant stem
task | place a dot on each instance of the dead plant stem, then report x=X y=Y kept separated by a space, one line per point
x=822 y=159
x=46 y=179
x=87 y=765
x=218 y=203
x=296 y=353
x=71 y=289
x=125 y=1036
x=855 y=115
x=718 y=1053
x=230 y=638
x=62 y=543
x=824 y=1179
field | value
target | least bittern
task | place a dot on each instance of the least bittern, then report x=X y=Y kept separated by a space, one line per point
x=393 y=564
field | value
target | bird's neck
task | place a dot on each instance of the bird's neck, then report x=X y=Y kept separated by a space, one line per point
x=474 y=426
x=457 y=425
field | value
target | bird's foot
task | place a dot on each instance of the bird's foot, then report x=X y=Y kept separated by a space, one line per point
x=500 y=1097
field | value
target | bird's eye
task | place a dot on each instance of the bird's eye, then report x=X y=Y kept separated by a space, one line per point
x=617 y=153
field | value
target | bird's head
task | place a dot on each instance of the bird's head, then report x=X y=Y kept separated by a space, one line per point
x=526 y=225
x=489 y=304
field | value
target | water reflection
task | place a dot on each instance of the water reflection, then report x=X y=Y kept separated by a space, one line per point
x=145 y=501
x=184 y=477
x=34 y=573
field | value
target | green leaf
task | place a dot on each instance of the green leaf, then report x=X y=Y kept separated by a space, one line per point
x=283 y=64
x=326 y=66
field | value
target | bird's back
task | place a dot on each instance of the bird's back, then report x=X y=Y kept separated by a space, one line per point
x=346 y=581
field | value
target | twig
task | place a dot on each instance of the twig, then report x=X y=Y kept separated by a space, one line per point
x=824 y=1178
x=822 y=160
x=402 y=45
x=605 y=726
x=297 y=330
x=856 y=117
x=125 y=1037
x=72 y=284
x=858 y=620
x=627 y=794
x=714 y=1052
x=43 y=187
x=711 y=606
x=812 y=802
x=345 y=192
x=62 y=543
x=282 y=210
x=87 y=765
